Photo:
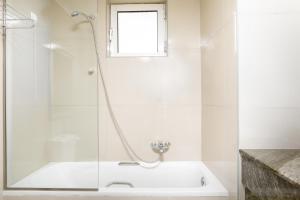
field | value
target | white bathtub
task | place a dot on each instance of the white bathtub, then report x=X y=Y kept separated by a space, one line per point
x=170 y=179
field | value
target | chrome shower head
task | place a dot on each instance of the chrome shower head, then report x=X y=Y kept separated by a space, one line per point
x=78 y=13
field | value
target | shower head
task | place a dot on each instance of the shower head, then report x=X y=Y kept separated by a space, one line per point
x=78 y=13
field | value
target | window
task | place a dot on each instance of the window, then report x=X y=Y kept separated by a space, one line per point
x=138 y=30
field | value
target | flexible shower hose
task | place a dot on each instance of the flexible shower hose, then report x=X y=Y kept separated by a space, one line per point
x=127 y=147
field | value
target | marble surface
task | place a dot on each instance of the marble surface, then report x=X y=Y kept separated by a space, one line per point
x=285 y=163
x=271 y=174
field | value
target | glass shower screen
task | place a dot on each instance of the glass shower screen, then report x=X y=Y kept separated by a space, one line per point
x=51 y=97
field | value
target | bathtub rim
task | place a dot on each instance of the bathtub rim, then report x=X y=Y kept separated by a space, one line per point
x=112 y=193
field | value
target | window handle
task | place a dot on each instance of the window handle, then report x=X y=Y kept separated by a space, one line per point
x=110 y=34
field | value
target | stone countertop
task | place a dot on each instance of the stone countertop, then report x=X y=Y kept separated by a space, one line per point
x=283 y=162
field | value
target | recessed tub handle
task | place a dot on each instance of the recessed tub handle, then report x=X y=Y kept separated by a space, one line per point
x=120 y=183
x=128 y=163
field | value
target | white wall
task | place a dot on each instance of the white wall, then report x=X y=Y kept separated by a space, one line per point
x=269 y=73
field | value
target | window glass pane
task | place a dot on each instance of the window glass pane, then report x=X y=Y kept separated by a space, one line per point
x=137 y=32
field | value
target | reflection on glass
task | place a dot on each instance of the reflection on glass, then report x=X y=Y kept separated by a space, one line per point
x=51 y=109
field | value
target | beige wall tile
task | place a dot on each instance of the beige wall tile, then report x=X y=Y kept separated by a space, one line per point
x=157 y=97
x=154 y=98
x=219 y=75
x=214 y=15
x=219 y=133
x=27 y=97
x=51 y=93
x=227 y=174
x=219 y=89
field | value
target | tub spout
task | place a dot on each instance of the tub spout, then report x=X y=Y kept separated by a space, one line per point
x=160 y=147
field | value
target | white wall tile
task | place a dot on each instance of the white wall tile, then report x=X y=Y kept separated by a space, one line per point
x=269 y=128
x=269 y=73
x=269 y=60
x=268 y=6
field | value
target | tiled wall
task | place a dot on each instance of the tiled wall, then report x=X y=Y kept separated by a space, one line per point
x=52 y=101
x=73 y=90
x=156 y=97
x=269 y=73
x=219 y=90
x=153 y=97
x=27 y=96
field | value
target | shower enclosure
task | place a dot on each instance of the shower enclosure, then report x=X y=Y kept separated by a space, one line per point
x=152 y=138
x=51 y=94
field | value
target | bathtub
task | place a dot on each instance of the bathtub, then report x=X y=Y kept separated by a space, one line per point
x=170 y=179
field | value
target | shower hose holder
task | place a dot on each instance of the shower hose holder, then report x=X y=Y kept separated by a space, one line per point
x=160 y=147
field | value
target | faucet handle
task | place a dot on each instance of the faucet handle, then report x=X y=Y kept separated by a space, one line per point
x=160 y=147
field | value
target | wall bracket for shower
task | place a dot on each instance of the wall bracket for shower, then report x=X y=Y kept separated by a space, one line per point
x=11 y=18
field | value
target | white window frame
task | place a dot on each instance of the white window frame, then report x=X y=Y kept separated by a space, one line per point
x=162 y=32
